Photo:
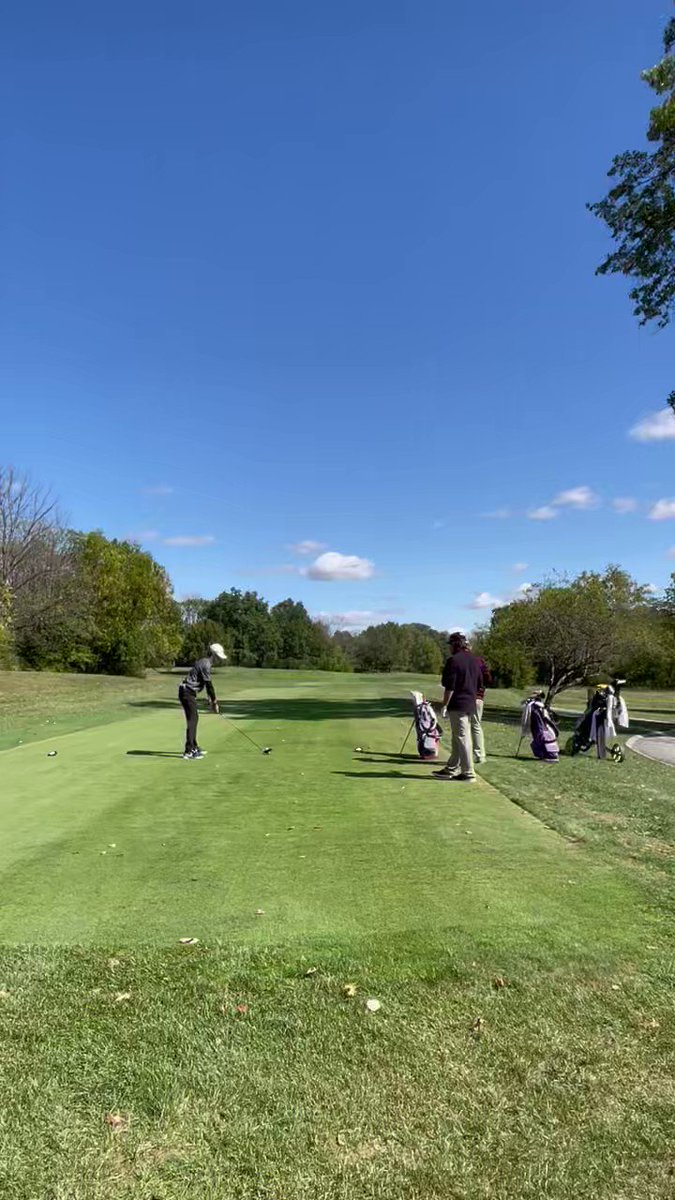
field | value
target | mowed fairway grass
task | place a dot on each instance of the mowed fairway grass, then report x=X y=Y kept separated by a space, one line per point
x=517 y=935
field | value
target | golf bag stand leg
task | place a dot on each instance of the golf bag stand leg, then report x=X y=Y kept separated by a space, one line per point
x=405 y=743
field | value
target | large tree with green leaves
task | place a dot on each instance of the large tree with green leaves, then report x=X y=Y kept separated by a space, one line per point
x=197 y=637
x=567 y=632
x=639 y=208
x=252 y=632
x=130 y=619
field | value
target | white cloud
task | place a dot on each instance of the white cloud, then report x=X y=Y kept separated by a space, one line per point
x=199 y=540
x=545 y=513
x=519 y=567
x=652 y=589
x=307 y=547
x=332 y=565
x=578 y=497
x=625 y=504
x=160 y=489
x=523 y=589
x=499 y=514
x=485 y=600
x=671 y=552
x=657 y=427
x=663 y=510
x=358 y=618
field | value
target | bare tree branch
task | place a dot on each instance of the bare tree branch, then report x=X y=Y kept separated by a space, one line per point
x=28 y=519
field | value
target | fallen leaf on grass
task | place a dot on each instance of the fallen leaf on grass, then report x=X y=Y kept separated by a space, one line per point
x=478 y=1026
x=499 y=981
x=118 y=1122
x=349 y=989
x=260 y=912
x=242 y=1009
x=310 y=971
x=373 y=1005
x=113 y=962
x=189 y=941
x=122 y=997
x=341 y=1139
x=615 y=987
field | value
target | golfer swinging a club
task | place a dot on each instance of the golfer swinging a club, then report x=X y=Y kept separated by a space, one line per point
x=198 y=677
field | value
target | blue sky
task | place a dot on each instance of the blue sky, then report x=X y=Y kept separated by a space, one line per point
x=287 y=273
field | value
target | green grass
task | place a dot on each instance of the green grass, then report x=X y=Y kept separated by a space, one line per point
x=556 y=880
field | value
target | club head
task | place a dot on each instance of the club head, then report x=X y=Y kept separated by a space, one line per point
x=267 y=749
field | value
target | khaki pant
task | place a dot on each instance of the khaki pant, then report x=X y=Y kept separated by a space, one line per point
x=477 y=733
x=461 y=755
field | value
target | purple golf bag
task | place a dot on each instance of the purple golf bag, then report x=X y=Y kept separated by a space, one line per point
x=539 y=723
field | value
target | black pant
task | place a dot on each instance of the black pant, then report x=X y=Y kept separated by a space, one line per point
x=189 y=701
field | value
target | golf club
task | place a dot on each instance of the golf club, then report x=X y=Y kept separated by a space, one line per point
x=262 y=749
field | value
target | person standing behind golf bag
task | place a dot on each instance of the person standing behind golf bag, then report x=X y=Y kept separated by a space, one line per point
x=197 y=678
x=462 y=680
x=477 y=734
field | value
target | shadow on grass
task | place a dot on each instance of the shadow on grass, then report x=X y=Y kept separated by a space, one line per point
x=155 y=753
x=403 y=759
x=380 y=775
x=307 y=709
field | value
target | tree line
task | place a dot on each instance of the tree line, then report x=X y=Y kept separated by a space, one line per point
x=78 y=601
x=284 y=635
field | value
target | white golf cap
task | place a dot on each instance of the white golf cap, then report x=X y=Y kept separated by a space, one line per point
x=217 y=649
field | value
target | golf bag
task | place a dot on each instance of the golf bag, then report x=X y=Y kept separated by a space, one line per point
x=605 y=713
x=427 y=729
x=538 y=721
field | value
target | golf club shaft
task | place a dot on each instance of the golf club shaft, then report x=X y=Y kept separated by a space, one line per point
x=242 y=732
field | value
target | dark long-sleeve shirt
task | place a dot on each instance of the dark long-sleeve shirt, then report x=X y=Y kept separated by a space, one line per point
x=199 y=676
x=463 y=676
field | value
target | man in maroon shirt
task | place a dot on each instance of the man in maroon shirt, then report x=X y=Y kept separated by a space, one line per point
x=462 y=680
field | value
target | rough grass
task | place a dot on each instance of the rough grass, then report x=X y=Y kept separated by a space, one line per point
x=516 y=934
x=36 y=705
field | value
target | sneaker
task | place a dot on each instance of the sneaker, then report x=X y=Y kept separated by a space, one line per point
x=463 y=778
x=444 y=773
x=188 y=755
x=198 y=754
